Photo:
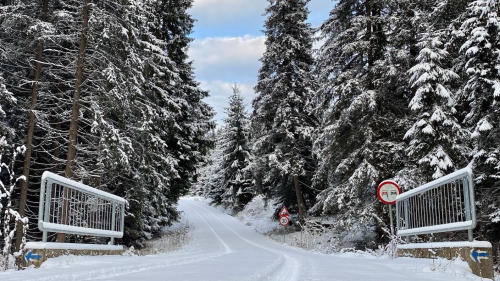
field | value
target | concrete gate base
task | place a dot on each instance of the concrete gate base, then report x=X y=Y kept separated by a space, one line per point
x=38 y=252
x=477 y=254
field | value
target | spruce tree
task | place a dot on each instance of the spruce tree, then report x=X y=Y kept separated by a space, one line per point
x=212 y=178
x=436 y=141
x=480 y=61
x=7 y=102
x=188 y=136
x=282 y=121
x=237 y=155
x=362 y=105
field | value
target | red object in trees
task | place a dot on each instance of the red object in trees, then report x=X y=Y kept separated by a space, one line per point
x=284 y=212
x=284 y=221
x=387 y=192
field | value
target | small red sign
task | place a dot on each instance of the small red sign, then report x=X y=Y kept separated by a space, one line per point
x=284 y=221
x=387 y=192
x=284 y=212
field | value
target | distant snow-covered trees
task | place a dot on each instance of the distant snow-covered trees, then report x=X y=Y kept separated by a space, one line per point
x=237 y=154
x=226 y=175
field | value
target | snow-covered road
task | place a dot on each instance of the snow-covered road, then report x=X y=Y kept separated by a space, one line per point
x=223 y=248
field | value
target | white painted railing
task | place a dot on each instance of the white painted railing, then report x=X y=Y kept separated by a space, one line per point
x=446 y=204
x=71 y=207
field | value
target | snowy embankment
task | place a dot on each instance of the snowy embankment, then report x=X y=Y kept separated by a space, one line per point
x=173 y=238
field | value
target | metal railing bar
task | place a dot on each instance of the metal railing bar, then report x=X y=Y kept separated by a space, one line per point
x=436 y=183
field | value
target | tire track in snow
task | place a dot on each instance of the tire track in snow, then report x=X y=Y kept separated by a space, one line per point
x=116 y=271
x=226 y=247
x=291 y=268
x=125 y=270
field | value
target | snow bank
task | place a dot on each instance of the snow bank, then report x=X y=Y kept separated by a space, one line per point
x=456 y=268
x=173 y=238
x=258 y=215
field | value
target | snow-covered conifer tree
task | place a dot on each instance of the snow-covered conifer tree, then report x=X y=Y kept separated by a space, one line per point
x=211 y=179
x=237 y=154
x=435 y=138
x=188 y=134
x=282 y=120
x=480 y=55
x=361 y=104
x=7 y=100
x=142 y=121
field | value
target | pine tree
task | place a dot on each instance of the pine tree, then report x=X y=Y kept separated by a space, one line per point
x=237 y=155
x=359 y=102
x=7 y=102
x=282 y=121
x=480 y=57
x=188 y=137
x=436 y=137
x=211 y=180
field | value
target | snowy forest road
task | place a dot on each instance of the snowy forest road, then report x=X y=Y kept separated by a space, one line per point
x=223 y=248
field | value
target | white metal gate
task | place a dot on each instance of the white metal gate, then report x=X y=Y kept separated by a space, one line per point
x=71 y=207
x=446 y=204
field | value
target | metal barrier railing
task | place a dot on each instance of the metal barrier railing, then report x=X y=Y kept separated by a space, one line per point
x=446 y=204
x=71 y=207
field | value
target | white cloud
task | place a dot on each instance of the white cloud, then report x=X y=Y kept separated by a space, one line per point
x=227 y=58
x=220 y=92
x=220 y=62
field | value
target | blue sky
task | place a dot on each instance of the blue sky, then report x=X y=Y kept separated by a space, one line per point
x=229 y=43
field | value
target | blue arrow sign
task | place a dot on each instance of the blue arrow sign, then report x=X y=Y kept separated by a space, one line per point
x=30 y=255
x=479 y=255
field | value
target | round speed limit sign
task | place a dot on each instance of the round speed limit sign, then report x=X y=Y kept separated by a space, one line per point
x=284 y=221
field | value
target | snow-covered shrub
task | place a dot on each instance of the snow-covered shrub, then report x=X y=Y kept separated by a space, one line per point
x=9 y=257
x=258 y=214
x=130 y=252
x=173 y=238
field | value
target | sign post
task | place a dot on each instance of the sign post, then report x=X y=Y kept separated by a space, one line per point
x=284 y=220
x=387 y=192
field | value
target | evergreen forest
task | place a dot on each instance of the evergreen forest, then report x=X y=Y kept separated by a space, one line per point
x=103 y=92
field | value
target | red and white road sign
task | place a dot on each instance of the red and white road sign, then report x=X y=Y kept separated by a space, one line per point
x=284 y=221
x=388 y=191
x=284 y=212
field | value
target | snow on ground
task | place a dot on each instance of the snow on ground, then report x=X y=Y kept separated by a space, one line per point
x=173 y=238
x=258 y=215
x=224 y=248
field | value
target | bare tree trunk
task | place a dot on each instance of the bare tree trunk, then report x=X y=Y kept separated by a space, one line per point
x=31 y=131
x=300 y=200
x=57 y=148
x=61 y=237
